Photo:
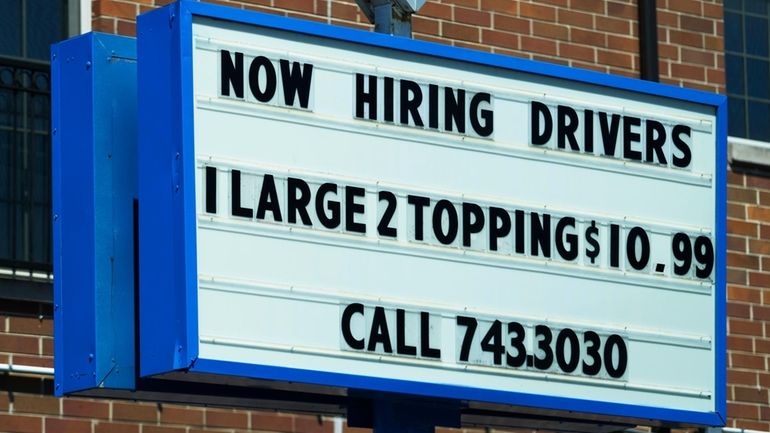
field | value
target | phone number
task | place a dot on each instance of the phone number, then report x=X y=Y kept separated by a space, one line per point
x=559 y=350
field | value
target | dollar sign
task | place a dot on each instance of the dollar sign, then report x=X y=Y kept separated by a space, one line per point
x=592 y=251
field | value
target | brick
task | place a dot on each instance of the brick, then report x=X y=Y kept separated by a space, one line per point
x=624 y=10
x=579 y=52
x=35 y=361
x=757 y=246
x=474 y=4
x=348 y=11
x=696 y=24
x=115 y=427
x=740 y=343
x=614 y=58
x=537 y=11
x=538 y=45
x=223 y=418
x=690 y=72
x=762 y=346
x=739 y=309
x=21 y=424
x=312 y=424
x=588 y=5
x=745 y=294
x=759 y=279
x=744 y=327
x=576 y=19
x=47 y=346
x=30 y=325
x=738 y=410
x=85 y=408
x=752 y=395
x=614 y=25
x=134 y=412
x=686 y=38
x=752 y=425
x=473 y=17
x=500 y=39
x=170 y=414
x=714 y=43
x=758 y=213
x=19 y=344
x=737 y=211
x=742 y=378
x=126 y=28
x=550 y=31
x=689 y=6
x=511 y=24
x=588 y=37
x=436 y=10
x=764 y=379
x=502 y=6
x=425 y=25
x=758 y=182
x=114 y=9
x=744 y=228
x=744 y=261
x=621 y=43
x=760 y=312
x=101 y=24
x=738 y=243
x=59 y=425
x=25 y=403
x=460 y=31
x=307 y=6
x=273 y=422
x=747 y=361
x=699 y=57
x=735 y=179
x=737 y=276
x=162 y=429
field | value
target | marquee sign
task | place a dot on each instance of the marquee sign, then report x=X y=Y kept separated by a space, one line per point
x=334 y=207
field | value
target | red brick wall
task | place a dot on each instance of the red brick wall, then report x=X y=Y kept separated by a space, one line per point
x=27 y=404
x=748 y=294
x=592 y=34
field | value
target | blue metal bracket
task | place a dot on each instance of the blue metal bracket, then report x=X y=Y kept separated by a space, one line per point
x=94 y=186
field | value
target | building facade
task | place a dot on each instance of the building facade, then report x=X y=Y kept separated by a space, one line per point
x=701 y=44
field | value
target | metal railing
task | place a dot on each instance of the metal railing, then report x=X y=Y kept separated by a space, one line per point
x=25 y=169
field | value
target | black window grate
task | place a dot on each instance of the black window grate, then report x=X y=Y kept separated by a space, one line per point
x=25 y=168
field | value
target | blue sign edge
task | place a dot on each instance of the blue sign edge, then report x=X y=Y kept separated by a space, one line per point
x=93 y=165
x=178 y=16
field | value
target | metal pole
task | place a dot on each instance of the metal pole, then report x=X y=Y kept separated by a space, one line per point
x=648 y=40
x=390 y=19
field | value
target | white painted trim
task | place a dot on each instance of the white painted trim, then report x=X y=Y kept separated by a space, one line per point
x=747 y=151
x=26 y=369
x=85 y=16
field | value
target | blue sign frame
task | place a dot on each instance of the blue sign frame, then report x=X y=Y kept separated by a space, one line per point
x=168 y=275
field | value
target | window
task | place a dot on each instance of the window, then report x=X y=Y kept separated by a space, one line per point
x=747 y=63
x=29 y=27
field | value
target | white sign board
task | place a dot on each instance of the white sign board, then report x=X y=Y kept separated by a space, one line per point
x=428 y=224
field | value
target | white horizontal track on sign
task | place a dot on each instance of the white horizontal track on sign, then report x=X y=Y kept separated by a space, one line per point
x=423 y=136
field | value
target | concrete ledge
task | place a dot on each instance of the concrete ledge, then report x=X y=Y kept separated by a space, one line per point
x=742 y=151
